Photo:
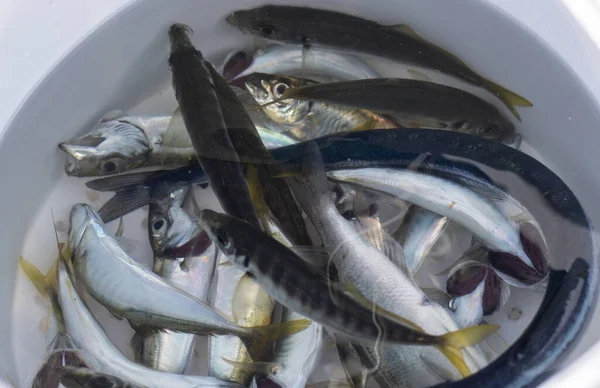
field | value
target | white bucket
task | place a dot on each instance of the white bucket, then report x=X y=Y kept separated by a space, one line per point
x=123 y=65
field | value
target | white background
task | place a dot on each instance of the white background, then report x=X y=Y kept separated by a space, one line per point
x=36 y=34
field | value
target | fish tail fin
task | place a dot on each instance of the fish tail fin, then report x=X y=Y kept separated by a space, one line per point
x=454 y=341
x=509 y=98
x=310 y=184
x=267 y=368
x=267 y=334
x=45 y=284
x=278 y=331
x=469 y=336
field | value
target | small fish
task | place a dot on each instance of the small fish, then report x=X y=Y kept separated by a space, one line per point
x=130 y=291
x=318 y=27
x=308 y=119
x=418 y=233
x=481 y=294
x=185 y=257
x=410 y=103
x=122 y=143
x=475 y=212
x=86 y=334
x=307 y=62
x=205 y=123
x=303 y=288
x=87 y=378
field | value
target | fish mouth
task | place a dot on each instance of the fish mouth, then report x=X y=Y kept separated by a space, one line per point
x=232 y=19
x=81 y=217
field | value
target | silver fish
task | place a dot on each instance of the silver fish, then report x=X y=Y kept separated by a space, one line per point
x=477 y=291
x=380 y=280
x=311 y=62
x=130 y=291
x=184 y=256
x=89 y=336
x=121 y=143
x=460 y=204
x=316 y=27
x=410 y=103
x=87 y=378
x=309 y=119
x=418 y=233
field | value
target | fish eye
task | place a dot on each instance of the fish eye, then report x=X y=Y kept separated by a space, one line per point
x=266 y=30
x=158 y=225
x=109 y=167
x=279 y=89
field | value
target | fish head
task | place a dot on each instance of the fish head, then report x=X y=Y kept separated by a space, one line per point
x=81 y=217
x=170 y=225
x=112 y=147
x=233 y=236
x=274 y=23
x=87 y=378
x=267 y=88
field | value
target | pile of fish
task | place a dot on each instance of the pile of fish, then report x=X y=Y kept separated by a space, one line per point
x=305 y=249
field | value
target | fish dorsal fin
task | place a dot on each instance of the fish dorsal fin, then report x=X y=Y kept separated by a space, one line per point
x=176 y=135
x=419 y=76
x=241 y=303
x=406 y=30
x=112 y=115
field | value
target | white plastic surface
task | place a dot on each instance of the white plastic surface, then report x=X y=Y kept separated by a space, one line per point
x=125 y=62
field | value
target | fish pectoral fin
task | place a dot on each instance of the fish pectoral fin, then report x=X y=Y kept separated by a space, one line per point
x=120 y=228
x=437 y=370
x=417 y=75
x=137 y=345
x=226 y=263
x=354 y=293
x=437 y=296
x=266 y=368
x=124 y=202
x=176 y=134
